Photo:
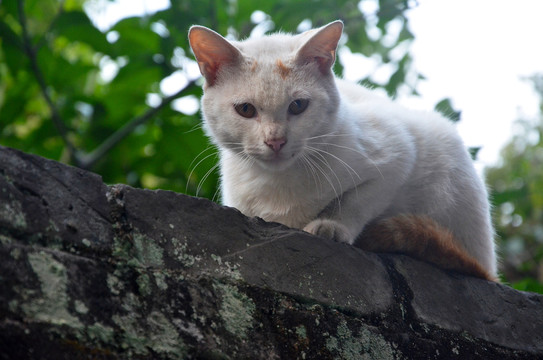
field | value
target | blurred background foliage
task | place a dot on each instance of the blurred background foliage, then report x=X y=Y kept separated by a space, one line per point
x=122 y=101
x=516 y=185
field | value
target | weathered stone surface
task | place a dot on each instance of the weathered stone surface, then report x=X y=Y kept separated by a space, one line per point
x=484 y=310
x=95 y=271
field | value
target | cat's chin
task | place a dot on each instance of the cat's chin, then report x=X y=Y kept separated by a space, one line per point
x=276 y=164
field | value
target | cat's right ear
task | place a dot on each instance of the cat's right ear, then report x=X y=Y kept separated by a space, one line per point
x=212 y=52
x=321 y=47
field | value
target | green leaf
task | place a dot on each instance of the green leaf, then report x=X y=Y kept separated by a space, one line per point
x=474 y=151
x=64 y=76
x=9 y=8
x=136 y=38
x=20 y=91
x=8 y=36
x=76 y=26
x=446 y=109
x=529 y=284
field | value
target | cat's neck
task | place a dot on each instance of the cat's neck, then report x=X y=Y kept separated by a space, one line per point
x=273 y=196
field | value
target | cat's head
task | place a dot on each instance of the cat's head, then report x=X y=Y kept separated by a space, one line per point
x=265 y=98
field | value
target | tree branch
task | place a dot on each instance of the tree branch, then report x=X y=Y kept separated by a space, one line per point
x=81 y=159
x=32 y=55
x=87 y=161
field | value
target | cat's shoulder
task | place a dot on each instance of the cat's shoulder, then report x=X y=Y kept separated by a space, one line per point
x=368 y=104
x=357 y=94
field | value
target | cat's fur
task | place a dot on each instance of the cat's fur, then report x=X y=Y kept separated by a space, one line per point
x=352 y=161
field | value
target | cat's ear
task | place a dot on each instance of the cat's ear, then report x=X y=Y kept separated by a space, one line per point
x=212 y=52
x=321 y=47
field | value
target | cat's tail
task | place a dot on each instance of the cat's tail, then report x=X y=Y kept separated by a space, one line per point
x=424 y=239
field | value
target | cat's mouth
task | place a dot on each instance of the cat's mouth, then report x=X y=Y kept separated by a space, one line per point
x=277 y=161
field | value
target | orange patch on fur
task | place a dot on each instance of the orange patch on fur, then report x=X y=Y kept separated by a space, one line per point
x=254 y=65
x=283 y=70
x=421 y=238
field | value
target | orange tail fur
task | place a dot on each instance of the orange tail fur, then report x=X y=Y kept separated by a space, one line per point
x=422 y=238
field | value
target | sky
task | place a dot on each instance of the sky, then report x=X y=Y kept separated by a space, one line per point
x=474 y=52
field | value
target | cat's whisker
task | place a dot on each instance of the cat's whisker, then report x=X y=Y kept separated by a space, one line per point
x=194 y=128
x=216 y=194
x=233 y=143
x=365 y=156
x=311 y=172
x=327 y=178
x=324 y=161
x=340 y=146
x=204 y=178
x=333 y=133
x=209 y=147
x=245 y=158
x=314 y=171
x=313 y=159
x=309 y=167
x=193 y=168
x=349 y=168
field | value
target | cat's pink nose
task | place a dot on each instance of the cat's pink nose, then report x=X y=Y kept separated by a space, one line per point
x=276 y=144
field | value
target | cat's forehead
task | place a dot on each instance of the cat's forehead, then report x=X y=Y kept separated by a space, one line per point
x=270 y=59
x=268 y=76
x=272 y=46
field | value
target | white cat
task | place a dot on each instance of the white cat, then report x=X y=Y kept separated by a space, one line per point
x=303 y=148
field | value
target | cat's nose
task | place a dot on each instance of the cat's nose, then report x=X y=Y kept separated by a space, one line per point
x=276 y=144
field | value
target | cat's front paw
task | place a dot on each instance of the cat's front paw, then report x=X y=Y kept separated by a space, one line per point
x=330 y=229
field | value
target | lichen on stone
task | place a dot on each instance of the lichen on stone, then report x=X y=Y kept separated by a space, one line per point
x=52 y=304
x=102 y=333
x=227 y=268
x=159 y=335
x=236 y=310
x=16 y=253
x=114 y=284
x=163 y=336
x=6 y=240
x=181 y=254
x=301 y=331
x=147 y=251
x=160 y=280
x=12 y=212
x=144 y=284
x=138 y=250
x=80 y=307
x=365 y=345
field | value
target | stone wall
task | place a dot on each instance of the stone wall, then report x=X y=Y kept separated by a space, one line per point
x=95 y=271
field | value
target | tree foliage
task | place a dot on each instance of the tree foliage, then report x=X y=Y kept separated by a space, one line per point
x=99 y=100
x=517 y=192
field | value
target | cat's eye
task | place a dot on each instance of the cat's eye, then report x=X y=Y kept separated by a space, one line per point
x=298 y=106
x=246 y=110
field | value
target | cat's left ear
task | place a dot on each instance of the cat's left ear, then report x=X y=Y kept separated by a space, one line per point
x=212 y=52
x=321 y=47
